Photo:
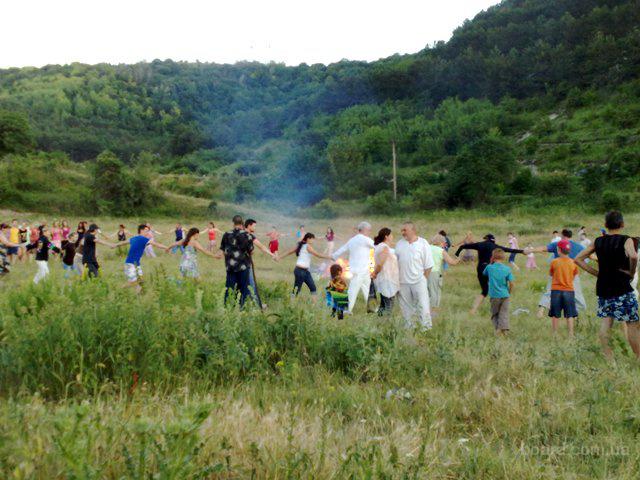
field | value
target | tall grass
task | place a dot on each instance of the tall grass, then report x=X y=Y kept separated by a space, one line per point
x=98 y=382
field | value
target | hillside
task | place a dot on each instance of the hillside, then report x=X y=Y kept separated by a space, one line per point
x=539 y=96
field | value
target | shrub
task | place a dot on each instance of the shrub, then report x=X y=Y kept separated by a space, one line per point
x=611 y=201
x=324 y=209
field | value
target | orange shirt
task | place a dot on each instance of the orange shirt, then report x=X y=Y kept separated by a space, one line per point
x=562 y=271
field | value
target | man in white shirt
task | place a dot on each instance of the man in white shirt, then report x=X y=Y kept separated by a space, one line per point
x=359 y=249
x=415 y=262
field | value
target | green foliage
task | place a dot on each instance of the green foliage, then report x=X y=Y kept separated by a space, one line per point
x=44 y=183
x=15 y=133
x=325 y=208
x=121 y=191
x=484 y=168
x=557 y=79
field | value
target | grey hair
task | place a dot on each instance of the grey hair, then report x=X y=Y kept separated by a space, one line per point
x=363 y=226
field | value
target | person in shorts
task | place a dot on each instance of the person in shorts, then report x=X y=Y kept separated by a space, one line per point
x=501 y=284
x=137 y=245
x=617 y=261
x=563 y=296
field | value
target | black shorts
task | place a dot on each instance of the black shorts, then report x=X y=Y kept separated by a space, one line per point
x=563 y=301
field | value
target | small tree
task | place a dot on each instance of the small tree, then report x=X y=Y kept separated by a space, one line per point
x=483 y=168
x=15 y=133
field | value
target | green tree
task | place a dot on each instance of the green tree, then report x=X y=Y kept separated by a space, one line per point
x=482 y=169
x=15 y=133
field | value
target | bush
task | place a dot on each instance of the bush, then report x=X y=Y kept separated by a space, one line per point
x=611 y=201
x=556 y=184
x=381 y=203
x=323 y=209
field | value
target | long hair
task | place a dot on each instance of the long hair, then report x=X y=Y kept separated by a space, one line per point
x=382 y=234
x=192 y=231
x=302 y=242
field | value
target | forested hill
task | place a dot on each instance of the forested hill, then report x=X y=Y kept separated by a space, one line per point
x=527 y=84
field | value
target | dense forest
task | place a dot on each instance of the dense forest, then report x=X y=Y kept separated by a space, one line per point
x=532 y=101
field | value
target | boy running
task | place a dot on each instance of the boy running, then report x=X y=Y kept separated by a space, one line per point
x=563 y=297
x=501 y=284
x=137 y=246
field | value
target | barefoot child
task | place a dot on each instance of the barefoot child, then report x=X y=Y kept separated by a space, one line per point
x=563 y=298
x=531 y=259
x=337 y=297
x=500 y=288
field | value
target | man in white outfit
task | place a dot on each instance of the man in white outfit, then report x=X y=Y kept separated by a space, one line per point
x=359 y=249
x=415 y=262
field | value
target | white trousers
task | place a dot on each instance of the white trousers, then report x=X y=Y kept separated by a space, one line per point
x=361 y=282
x=414 y=301
x=581 y=304
x=43 y=271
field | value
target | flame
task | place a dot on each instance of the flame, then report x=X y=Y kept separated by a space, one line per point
x=372 y=261
x=346 y=273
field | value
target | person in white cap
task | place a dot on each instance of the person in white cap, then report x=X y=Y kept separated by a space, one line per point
x=415 y=262
x=359 y=248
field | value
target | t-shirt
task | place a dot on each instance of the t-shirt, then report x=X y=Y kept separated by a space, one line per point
x=237 y=246
x=413 y=259
x=14 y=235
x=359 y=248
x=438 y=258
x=179 y=234
x=69 y=249
x=89 y=248
x=43 y=246
x=576 y=248
x=499 y=277
x=137 y=245
x=562 y=271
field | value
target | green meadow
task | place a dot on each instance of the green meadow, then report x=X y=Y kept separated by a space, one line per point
x=98 y=382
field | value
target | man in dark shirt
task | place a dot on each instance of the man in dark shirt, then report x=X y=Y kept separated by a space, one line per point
x=89 y=260
x=617 y=262
x=237 y=246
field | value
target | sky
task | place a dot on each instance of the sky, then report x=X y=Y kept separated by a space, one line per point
x=41 y=32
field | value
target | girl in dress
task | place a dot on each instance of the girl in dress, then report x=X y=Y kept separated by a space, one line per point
x=65 y=230
x=531 y=260
x=190 y=246
x=386 y=277
x=56 y=235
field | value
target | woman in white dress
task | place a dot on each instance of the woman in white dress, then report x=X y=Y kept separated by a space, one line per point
x=385 y=276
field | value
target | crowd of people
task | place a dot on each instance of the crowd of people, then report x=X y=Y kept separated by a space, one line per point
x=409 y=271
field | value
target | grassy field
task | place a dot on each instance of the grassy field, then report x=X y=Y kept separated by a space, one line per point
x=96 y=382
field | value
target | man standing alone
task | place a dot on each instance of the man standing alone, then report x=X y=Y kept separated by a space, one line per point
x=415 y=262
x=359 y=248
x=237 y=246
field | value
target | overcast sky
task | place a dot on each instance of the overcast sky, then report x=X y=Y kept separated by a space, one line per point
x=40 y=32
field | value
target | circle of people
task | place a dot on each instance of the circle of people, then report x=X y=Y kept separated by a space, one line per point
x=411 y=271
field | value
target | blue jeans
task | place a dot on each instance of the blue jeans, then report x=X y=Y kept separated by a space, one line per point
x=254 y=288
x=237 y=281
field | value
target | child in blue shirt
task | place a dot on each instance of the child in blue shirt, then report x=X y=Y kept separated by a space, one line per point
x=500 y=289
